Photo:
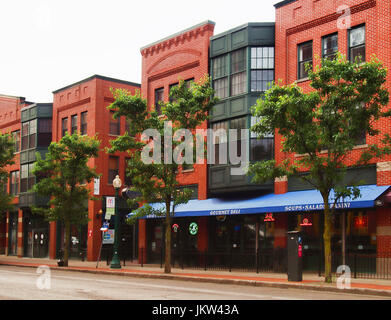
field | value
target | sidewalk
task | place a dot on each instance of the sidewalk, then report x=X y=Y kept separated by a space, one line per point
x=310 y=281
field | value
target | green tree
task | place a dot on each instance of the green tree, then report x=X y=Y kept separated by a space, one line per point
x=156 y=180
x=322 y=126
x=6 y=159
x=62 y=176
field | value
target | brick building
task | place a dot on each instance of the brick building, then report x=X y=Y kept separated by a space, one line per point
x=306 y=29
x=82 y=107
x=182 y=56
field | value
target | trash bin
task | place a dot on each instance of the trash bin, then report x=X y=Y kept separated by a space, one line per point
x=295 y=256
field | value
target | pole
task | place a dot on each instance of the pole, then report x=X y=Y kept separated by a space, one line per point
x=100 y=251
x=343 y=237
x=115 y=263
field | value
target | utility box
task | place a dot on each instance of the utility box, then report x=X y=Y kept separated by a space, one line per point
x=295 y=256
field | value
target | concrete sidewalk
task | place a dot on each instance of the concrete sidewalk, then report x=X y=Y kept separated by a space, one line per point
x=310 y=281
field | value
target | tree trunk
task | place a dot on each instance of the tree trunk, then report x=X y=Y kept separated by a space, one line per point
x=327 y=240
x=67 y=241
x=167 y=261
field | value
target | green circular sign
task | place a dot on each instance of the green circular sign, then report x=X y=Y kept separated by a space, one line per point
x=193 y=228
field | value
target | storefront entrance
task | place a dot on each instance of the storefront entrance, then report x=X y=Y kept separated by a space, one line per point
x=13 y=234
x=35 y=235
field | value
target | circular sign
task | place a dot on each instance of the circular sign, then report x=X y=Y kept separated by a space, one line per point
x=193 y=228
x=175 y=227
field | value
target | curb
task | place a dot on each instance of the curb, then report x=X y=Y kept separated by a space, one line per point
x=151 y=275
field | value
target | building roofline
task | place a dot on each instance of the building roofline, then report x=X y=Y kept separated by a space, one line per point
x=9 y=96
x=177 y=34
x=37 y=104
x=97 y=76
x=283 y=3
x=245 y=25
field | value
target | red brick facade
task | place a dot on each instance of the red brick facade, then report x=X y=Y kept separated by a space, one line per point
x=309 y=20
x=10 y=120
x=92 y=95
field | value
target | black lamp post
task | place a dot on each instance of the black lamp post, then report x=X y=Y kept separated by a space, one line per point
x=115 y=263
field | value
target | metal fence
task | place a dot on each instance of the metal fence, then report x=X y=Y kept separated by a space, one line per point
x=362 y=265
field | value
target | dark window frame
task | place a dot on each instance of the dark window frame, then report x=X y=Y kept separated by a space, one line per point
x=64 y=126
x=328 y=55
x=74 y=124
x=114 y=125
x=350 y=47
x=303 y=62
x=159 y=97
x=83 y=123
x=112 y=172
x=255 y=70
x=14 y=185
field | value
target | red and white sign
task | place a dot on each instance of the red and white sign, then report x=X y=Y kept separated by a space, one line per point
x=269 y=217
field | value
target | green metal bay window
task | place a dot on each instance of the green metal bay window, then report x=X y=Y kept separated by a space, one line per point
x=29 y=132
x=262 y=68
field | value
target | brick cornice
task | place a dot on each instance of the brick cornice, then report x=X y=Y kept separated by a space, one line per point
x=77 y=103
x=177 y=40
x=329 y=18
x=172 y=71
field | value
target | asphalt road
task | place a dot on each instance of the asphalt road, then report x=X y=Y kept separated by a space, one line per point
x=18 y=283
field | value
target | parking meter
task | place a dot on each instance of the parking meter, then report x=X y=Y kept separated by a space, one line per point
x=295 y=256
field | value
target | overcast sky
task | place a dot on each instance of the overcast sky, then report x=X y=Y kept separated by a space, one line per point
x=48 y=44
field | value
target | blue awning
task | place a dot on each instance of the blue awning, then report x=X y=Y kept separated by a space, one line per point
x=296 y=201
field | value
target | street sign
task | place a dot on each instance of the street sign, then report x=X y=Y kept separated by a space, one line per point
x=96 y=186
x=110 y=207
x=108 y=237
x=105 y=227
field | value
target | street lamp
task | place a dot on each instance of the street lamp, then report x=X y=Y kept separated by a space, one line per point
x=115 y=263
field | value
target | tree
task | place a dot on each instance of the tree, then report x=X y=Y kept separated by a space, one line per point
x=156 y=178
x=322 y=127
x=6 y=159
x=63 y=175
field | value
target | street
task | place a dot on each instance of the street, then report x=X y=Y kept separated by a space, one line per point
x=27 y=284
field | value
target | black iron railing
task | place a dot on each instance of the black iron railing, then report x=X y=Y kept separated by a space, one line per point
x=361 y=265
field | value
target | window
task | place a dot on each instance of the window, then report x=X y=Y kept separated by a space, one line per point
x=220 y=140
x=220 y=87
x=172 y=86
x=238 y=125
x=262 y=68
x=238 y=72
x=220 y=79
x=83 y=123
x=74 y=124
x=113 y=168
x=114 y=124
x=29 y=133
x=64 y=126
x=330 y=46
x=14 y=182
x=27 y=179
x=16 y=139
x=357 y=43
x=159 y=97
x=305 y=57
x=260 y=148
x=44 y=132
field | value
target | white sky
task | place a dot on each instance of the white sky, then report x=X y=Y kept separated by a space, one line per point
x=48 y=44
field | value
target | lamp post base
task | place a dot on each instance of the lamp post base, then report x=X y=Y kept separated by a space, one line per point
x=115 y=263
